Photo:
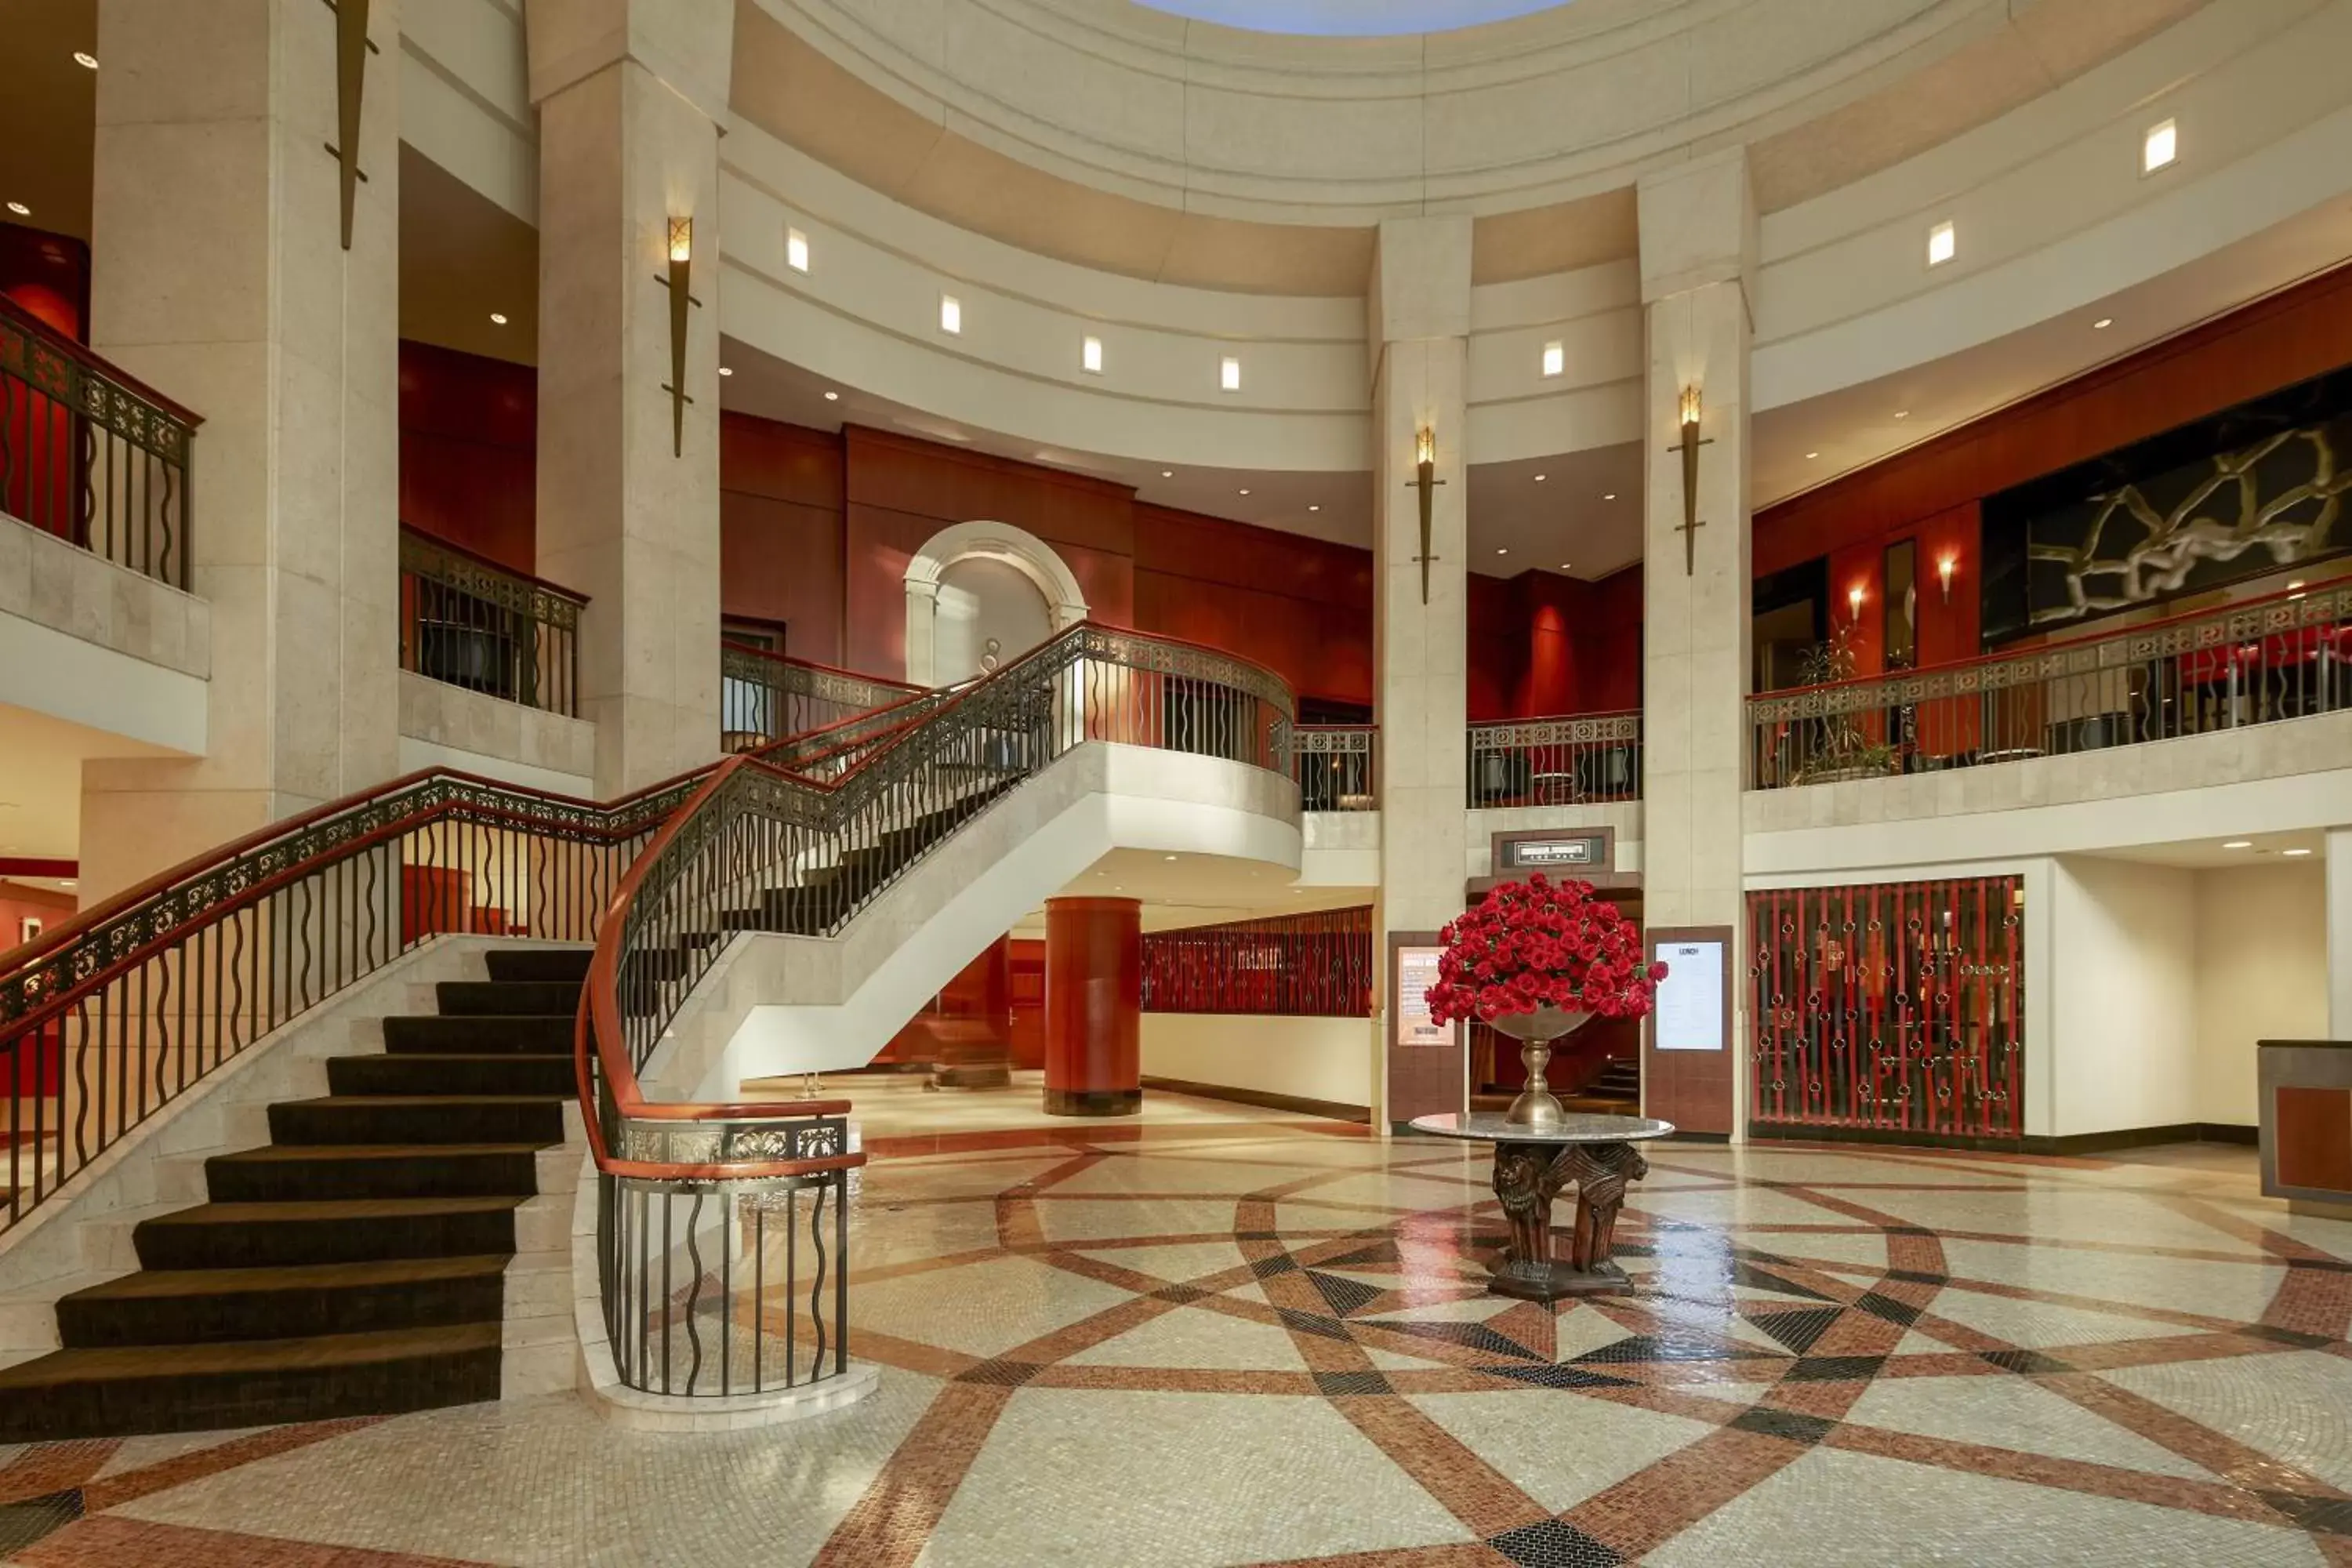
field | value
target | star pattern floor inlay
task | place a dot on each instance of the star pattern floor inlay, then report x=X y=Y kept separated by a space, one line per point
x=1229 y=1340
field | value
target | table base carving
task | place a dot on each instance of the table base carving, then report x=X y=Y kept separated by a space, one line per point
x=1527 y=1177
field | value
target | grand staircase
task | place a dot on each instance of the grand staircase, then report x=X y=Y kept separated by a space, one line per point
x=356 y=1265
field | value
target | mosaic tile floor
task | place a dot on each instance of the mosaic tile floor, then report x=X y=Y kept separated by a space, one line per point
x=1211 y=1339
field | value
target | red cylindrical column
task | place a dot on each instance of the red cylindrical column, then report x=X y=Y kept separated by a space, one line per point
x=1094 y=1007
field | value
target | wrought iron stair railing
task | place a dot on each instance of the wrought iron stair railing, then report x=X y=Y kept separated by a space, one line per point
x=766 y=696
x=760 y=848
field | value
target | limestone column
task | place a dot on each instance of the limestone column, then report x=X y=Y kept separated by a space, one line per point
x=1697 y=238
x=1419 y=337
x=2339 y=934
x=630 y=94
x=219 y=275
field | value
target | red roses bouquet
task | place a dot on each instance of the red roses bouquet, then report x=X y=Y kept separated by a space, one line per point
x=1539 y=943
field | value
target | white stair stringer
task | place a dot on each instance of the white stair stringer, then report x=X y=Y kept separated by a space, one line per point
x=776 y=1005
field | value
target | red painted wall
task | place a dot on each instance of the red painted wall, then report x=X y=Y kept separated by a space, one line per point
x=1931 y=492
x=1542 y=644
x=47 y=277
x=468 y=445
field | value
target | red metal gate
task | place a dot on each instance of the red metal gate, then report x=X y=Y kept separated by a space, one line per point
x=1892 y=1005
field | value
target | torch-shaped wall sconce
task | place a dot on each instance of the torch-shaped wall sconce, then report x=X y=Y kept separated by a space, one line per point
x=680 y=281
x=1854 y=601
x=1424 y=479
x=1944 y=575
x=1688 y=447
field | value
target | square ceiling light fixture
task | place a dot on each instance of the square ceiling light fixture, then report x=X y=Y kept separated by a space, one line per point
x=796 y=250
x=951 y=313
x=1942 y=243
x=1090 y=355
x=1555 y=359
x=2159 y=147
x=1229 y=373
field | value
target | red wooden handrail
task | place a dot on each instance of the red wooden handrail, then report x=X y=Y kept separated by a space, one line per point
x=96 y=362
x=775 y=657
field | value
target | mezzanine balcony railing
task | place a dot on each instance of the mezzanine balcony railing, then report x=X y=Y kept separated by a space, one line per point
x=1579 y=760
x=93 y=454
x=2288 y=656
x=1332 y=764
x=469 y=622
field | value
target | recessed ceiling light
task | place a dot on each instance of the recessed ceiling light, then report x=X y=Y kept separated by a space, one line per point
x=20 y=209
x=2239 y=844
x=1812 y=454
x=1167 y=473
x=497 y=318
x=951 y=313
x=1541 y=478
x=725 y=369
x=66 y=882
x=1943 y=243
x=1312 y=506
x=1229 y=373
x=1563 y=565
x=1555 y=359
x=2103 y=324
x=1610 y=495
x=1172 y=856
x=1090 y=355
x=85 y=59
x=832 y=397
x=1501 y=549
x=796 y=250
x=2294 y=852
x=2160 y=146
x=1903 y=414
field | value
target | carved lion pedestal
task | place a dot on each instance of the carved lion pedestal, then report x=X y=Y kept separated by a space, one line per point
x=1531 y=1166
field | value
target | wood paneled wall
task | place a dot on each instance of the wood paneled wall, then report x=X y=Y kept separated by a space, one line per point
x=469 y=452
x=779 y=531
x=1542 y=644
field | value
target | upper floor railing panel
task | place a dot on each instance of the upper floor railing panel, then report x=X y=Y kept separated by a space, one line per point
x=1332 y=764
x=91 y=454
x=1579 y=760
x=765 y=697
x=2288 y=656
x=469 y=622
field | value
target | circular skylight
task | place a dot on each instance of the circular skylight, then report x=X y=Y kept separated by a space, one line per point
x=1349 y=19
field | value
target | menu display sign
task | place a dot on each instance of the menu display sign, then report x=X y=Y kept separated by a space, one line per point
x=1691 y=1015
x=1416 y=972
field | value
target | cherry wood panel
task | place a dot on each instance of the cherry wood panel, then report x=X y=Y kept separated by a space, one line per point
x=779 y=531
x=1302 y=607
x=1543 y=644
x=469 y=452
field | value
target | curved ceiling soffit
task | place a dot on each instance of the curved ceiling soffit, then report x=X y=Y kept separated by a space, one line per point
x=817 y=77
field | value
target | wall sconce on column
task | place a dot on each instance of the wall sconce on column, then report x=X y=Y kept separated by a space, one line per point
x=680 y=281
x=1944 y=575
x=1688 y=447
x=1424 y=479
x=1854 y=601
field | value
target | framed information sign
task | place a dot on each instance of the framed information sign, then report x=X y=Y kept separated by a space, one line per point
x=1687 y=1056
x=1426 y=1060
x=1694 y=998
x=1416 y=972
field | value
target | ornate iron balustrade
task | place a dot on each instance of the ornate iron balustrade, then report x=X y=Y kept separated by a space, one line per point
x=766 y=696
x=2284 y=657
x=1332 y=764
x=93 y=455
x=465 y=621
x=112 y=1017
x=1586 y=758
x=758 y=848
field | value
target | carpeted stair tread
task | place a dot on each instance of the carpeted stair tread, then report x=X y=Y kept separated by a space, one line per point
x=496 y=999
x=330 y=1230
x=209 y=1306
x=120 y=1390
x=419 y=1118
x=292 y=1153
x=479 y=1033
x=349 y=1209
x=411 y=1074
x=333 y=1171
x=540 y=963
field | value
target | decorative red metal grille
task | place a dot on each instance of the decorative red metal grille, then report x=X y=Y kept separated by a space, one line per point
x=1313 y=965
x=1892 y=1005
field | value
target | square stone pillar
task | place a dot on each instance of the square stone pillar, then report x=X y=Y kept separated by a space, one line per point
x=1419 y=339
x=1698 y=246
x=630 y=94
x=218 y=274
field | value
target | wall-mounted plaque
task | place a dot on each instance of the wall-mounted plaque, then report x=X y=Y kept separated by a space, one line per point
x=1416 y=971
x=1694 y=1010
x=1583 y=852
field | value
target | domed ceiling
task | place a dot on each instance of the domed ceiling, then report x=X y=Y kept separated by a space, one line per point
x=1349 y=19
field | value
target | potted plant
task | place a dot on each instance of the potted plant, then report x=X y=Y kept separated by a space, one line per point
x=1538 y=959
x=1838 y=748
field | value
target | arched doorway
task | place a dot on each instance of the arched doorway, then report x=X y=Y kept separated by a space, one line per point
x=981 y=594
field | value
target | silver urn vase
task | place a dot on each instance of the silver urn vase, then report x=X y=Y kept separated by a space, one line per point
x=1536 y=1105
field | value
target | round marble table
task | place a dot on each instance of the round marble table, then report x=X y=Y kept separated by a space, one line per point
x=1531 y=1164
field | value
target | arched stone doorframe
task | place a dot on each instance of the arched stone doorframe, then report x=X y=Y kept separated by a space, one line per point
x=1065 y=602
